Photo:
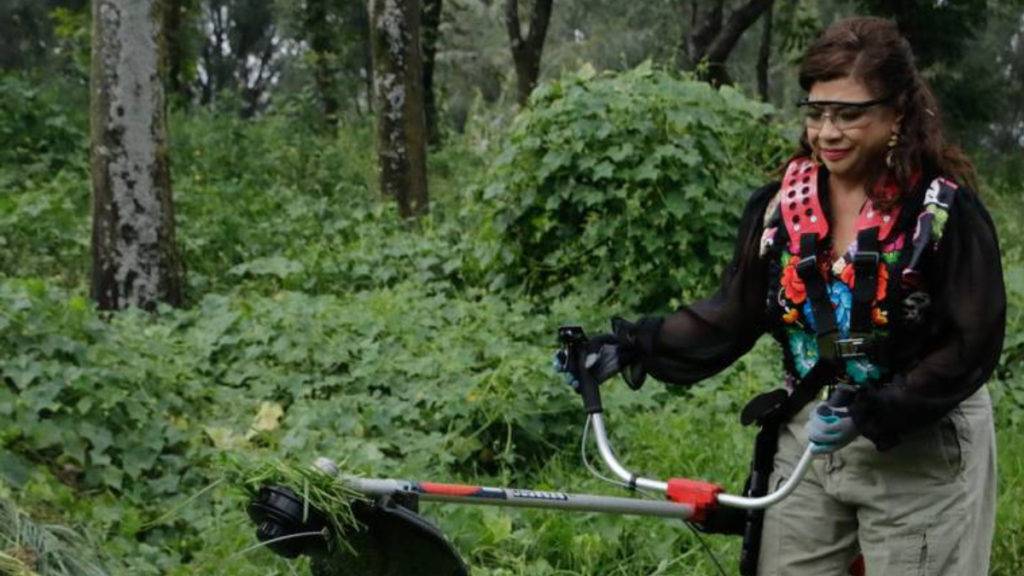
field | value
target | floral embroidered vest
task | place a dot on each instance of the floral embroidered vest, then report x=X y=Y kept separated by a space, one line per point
x=795 y=213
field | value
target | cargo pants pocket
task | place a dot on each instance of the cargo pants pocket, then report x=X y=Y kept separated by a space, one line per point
x=952 y=434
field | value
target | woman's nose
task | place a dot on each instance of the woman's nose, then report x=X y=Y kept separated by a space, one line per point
x=828 y=130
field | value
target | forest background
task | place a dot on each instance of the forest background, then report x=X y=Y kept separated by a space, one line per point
x=316 y=315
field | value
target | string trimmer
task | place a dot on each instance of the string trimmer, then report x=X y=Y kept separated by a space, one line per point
x=393 y=539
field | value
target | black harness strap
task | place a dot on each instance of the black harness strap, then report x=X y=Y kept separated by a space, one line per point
x=817 y=293
x=865 y=274
x=771 y=411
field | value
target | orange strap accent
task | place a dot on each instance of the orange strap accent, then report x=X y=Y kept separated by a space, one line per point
x=449 y=489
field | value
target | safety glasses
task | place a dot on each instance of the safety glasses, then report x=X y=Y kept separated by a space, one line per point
x=844 y=115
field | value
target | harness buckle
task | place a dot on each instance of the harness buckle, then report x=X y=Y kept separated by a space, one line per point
x=866 y=257
x=807 y=263
x=850 y=348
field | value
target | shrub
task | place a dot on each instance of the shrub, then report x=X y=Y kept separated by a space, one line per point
x=635 y=181
x=39 y=130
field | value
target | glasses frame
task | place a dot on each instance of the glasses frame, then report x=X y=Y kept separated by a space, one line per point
x=830 y=115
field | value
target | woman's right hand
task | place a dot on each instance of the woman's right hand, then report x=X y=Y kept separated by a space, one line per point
x=603 y=359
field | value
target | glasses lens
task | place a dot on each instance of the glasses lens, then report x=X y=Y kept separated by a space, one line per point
x=813 y=116
x=849 y=116
x=842 y=117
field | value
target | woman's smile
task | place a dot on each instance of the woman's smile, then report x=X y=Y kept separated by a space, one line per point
x=834 y=154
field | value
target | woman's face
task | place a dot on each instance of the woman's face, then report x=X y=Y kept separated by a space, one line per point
x=850 y=141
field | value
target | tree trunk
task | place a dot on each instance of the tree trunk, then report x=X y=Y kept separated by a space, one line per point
x=178 y=19
x=361 y=24
x=325 y=60
x=701 y=36
x=526 y=52
x=764 y=56
x=712 y=42
x=431 y=25
x=401 y=123
x=135 y=260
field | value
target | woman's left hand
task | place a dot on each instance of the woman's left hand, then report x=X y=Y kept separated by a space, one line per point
x=830 y=428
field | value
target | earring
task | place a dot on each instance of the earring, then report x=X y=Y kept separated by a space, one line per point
x=894 y=141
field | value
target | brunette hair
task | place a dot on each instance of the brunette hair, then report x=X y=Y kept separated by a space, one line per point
x=873 y=51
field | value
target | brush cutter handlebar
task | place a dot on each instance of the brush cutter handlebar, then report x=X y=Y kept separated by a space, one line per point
x=701 y=496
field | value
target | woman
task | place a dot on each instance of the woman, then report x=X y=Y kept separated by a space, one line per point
x=876 y=267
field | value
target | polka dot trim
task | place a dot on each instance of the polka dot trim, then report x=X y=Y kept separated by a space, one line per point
x=870 y=218
x=801 y=210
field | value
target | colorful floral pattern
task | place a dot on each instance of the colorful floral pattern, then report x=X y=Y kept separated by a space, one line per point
x=796 y=292
x=879 y=317
x=798 y=314
x=791 y=316
x=848 y=278
x=861 y=370
x=804 y=347
x=842 y=302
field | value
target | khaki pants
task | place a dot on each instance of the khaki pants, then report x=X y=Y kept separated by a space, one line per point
x=924 y=508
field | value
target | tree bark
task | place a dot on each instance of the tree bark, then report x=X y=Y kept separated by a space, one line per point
x=325 y=60
x=135 y=260
x=526 y=52
x=716 y=38
x=178 y=19
x=431 y=25
x=401 y=122
x=364 y=26
x=740 y=19
x=701 y=36
x=764 y=56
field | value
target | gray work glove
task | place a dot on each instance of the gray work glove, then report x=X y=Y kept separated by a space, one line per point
x=830 y=427
x=603 y=360
x=613 y=353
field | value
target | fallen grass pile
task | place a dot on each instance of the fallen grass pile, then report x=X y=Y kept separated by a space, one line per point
x=319 y=491
x=28 y=548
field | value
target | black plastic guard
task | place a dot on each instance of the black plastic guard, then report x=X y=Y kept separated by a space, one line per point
x=394 y=541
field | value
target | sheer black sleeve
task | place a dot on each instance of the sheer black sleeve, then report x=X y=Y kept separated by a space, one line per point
x=967 y=324
x=704 y=338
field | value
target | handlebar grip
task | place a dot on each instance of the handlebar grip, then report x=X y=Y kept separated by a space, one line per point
x=589 y=387
x=842 y=396
x=573 y=340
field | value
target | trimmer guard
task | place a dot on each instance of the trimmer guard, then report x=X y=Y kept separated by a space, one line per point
x=394 y=541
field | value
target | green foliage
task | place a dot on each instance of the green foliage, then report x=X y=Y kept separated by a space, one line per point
x=42 y=229
x=43 y=178
x=276 y=205
x=632 y=181
x=134 y=407
x=1004 y=204
x=39 y=131
x=73 y=31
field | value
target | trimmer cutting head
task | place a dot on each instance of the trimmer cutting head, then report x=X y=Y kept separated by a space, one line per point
x=280 y=515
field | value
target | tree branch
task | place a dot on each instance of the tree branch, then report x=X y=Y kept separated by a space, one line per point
x=740 y=19
x=512 y=23
x=706 y=33
x=539 y=20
